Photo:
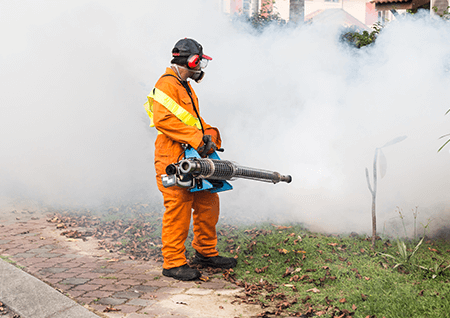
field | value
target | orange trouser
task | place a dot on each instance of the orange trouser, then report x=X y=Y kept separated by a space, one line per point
x=179 y=204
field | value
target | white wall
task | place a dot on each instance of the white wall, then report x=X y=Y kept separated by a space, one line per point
x=282 y=7
x=356 y=8
x=225 y=4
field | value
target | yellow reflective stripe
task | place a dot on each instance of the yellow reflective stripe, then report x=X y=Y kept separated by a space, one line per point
x=149 y=108
x=182 y=114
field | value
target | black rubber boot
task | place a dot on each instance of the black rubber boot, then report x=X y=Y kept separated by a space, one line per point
x=182 y=273
x=215 y=261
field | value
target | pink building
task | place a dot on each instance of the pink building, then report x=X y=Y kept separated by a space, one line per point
x=267 y=5
x=371 y=14
x=236 y=6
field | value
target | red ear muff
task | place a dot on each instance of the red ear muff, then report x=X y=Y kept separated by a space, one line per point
x=193 y=61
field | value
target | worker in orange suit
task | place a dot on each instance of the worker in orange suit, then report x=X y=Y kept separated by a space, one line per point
x=176 y=116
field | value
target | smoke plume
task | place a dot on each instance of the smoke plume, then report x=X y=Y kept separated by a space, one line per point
x=74 y=76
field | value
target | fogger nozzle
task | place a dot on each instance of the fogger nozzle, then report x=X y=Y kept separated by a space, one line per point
x=227 y=170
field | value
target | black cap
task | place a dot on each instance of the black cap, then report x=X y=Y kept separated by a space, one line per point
x=185 y=48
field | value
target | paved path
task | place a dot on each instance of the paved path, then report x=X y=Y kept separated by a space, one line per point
x=98 y=280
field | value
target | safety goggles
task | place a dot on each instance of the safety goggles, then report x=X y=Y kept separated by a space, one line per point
x=203 y=63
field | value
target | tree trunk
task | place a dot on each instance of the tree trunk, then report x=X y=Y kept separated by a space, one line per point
x=296 y=11
x=374 y=222
x=374 y=198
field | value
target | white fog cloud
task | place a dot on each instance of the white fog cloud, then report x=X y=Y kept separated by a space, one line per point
x=74 y=76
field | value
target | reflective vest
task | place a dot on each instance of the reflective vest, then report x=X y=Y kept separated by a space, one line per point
x=179 y=112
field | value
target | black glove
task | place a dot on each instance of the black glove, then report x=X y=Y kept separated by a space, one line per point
x=208 y=144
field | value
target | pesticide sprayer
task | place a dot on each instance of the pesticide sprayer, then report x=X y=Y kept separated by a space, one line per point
x=212 y=173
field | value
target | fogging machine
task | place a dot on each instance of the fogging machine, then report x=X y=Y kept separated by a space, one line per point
x=212 y=173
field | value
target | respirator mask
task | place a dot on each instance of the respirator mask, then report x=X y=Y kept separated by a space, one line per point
x=197 y=75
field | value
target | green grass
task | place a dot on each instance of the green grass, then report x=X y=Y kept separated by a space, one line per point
x=341 y=267
x=8 y=260
x=344 y=269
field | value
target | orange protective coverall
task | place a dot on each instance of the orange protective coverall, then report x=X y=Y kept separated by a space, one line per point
x=179 y=202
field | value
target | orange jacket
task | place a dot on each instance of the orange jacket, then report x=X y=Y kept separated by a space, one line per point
x=175 y=132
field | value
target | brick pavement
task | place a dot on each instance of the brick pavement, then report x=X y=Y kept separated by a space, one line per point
x=100 y=280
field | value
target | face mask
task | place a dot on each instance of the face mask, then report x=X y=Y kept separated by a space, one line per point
x=198 y=76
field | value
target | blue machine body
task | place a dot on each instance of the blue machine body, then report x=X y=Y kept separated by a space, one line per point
x=203 y=184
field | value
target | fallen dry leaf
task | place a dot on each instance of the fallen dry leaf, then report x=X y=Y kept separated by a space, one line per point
x=354 y=307
x=320 y=313
x=108 y=309
x=281 y=227
x=261 y=270
x=294 y=278
x=204 y=278
x=304 y=277
x=342 y=300
x=289 y=271
x=304 y=300
x=314 y=290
